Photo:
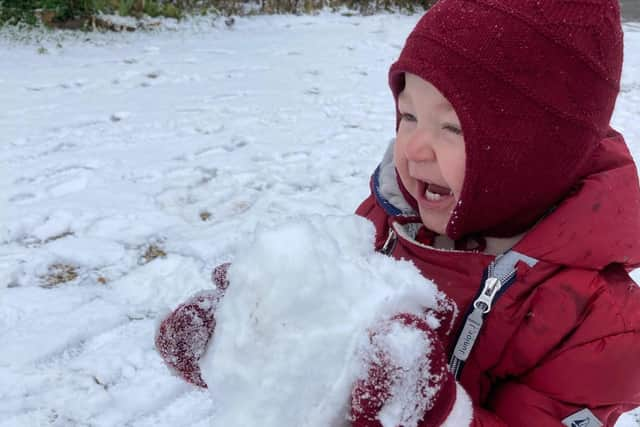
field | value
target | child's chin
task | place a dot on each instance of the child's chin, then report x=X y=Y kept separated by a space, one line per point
x=434 y=222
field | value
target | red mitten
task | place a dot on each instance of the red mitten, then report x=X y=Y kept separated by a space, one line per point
x=407 y=382
x=183 y=336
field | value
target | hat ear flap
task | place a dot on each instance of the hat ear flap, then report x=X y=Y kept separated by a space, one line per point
x=396 y=83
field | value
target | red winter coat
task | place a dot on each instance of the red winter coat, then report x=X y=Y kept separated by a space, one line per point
x=566 y=334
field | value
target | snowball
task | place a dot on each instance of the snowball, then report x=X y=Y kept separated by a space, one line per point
x=291 y=328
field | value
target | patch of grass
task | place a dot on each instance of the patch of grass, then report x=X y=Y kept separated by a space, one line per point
x=58 y=274
x=81 y=14
x=171 y=11
x=59 y=236
x=100 y=383
x=153 y=9
x=153 y=251
x=125 y=7
x=18 y=11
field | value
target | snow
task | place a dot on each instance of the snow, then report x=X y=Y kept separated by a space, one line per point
x=409 y=397
x=186 y=139
x=293 y=324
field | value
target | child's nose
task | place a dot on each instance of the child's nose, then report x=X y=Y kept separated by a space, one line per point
x=420 y=146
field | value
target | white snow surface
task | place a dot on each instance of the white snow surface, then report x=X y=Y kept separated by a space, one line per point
x=292 y=333
x=409 y=393
x=186 y=139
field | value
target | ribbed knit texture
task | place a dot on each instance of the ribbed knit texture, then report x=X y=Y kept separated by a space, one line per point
x=534 y=83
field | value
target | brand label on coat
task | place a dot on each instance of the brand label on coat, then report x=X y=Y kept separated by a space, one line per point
x=583 y=418
x=468 y=335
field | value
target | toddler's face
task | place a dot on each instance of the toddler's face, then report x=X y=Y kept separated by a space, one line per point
x=429 y=151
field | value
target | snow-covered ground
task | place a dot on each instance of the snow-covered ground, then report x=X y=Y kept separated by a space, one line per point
x=132 y=164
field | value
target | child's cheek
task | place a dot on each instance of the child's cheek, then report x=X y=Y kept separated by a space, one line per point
x=399 y=159
x=402 y=169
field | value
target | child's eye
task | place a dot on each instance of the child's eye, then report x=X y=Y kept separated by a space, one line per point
x=453 y=129
x=408 y=117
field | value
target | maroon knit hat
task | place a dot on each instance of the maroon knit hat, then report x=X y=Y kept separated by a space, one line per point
x=534 y=83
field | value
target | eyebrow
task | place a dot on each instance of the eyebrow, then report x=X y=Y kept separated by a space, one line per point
x=444 y=105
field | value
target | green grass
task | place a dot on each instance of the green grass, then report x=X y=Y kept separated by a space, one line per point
x=56 y=12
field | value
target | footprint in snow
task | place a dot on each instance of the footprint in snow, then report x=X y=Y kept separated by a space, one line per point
x=69 y=186
x=236 y=142
x=208 y=151
x=293 y=155
x=21 y=197
x=207 y=130
x=49 y=174
x=233 y=147
x=39 y=88
x=119 y=116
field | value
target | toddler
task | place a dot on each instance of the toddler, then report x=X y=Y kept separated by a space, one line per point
x=508 y=188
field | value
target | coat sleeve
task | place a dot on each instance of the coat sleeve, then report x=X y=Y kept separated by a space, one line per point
x=371 y=209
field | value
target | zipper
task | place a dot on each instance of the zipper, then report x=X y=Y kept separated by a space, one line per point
x=481 y=306
x=492 y=285
x=498 y=277
x=390 y=243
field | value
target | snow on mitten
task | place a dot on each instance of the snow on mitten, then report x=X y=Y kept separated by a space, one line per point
x=183 y=336
x=406 y=380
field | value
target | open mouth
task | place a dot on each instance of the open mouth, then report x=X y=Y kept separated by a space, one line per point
x=433 y=192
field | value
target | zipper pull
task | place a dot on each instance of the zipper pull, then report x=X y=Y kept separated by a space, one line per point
x=468 y=335
x=473 y=325
x=485 y=300
x=390 y=243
